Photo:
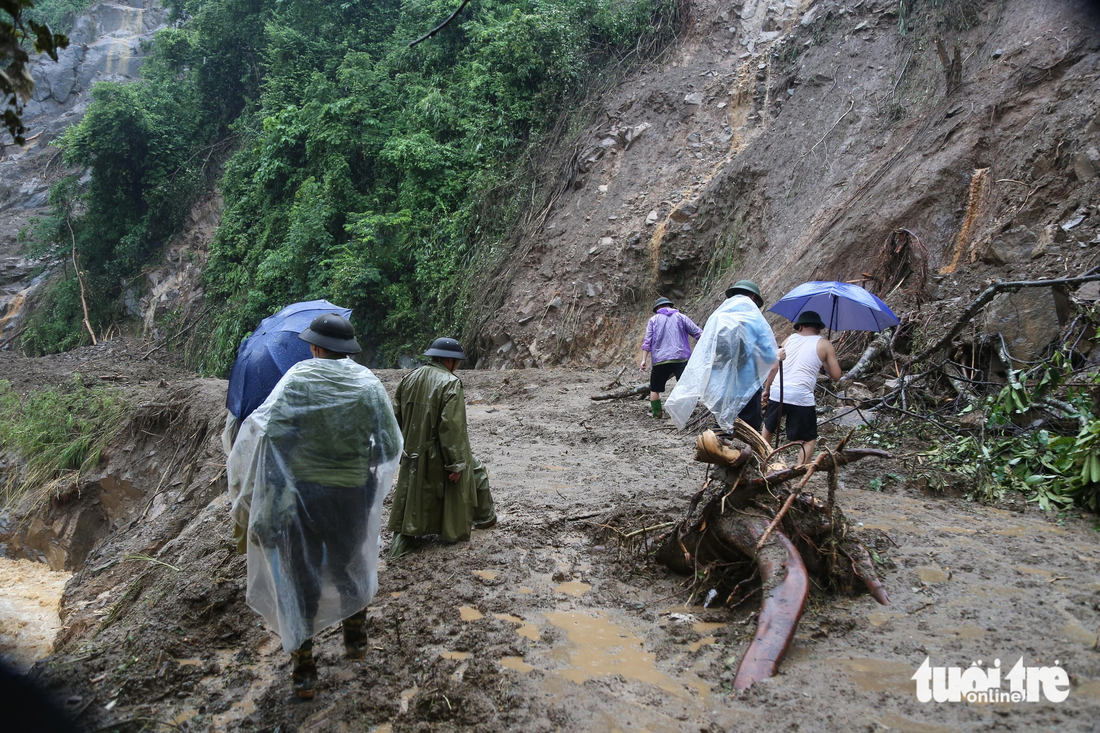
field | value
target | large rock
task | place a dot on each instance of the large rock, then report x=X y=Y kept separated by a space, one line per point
x=1029 y=320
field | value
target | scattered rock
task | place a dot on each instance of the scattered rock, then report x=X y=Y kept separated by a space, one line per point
x=555 y=303
x=651 y=218
x=1029 y=320
x=1071 y=223
x=694 y=98
x=1087 y=164
x=998 y=53
x=1088 y=291
x=1050 y=235
x=684 y=212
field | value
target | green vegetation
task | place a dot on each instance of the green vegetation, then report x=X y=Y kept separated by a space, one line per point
x=58 y=14
x=1052 y=469
x=57 y=434
x=383 y=177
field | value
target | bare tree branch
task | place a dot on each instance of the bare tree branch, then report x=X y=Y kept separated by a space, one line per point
x=441 y=26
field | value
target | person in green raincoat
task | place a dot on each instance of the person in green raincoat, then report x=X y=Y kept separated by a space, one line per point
x=441 y=487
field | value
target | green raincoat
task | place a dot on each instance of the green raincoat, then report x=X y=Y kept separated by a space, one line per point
x=431 y=409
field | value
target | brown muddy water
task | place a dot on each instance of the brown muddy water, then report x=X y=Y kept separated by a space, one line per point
x=29 y=621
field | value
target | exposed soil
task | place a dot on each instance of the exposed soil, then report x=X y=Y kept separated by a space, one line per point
x=546 y=621
x=784 y=142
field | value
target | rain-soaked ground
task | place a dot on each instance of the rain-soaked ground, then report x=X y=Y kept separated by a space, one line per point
x=548 y=622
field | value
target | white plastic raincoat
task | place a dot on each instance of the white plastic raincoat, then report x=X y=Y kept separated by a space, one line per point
x=730 y=363
x=307 y=476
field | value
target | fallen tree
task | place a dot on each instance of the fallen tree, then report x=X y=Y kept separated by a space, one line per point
x=745 y=522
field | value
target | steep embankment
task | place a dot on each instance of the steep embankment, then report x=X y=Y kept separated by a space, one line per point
x=785 y=142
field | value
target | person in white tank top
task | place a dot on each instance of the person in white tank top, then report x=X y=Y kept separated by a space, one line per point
x=806 y=351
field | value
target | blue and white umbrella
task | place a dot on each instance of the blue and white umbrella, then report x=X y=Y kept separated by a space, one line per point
x=842 y=306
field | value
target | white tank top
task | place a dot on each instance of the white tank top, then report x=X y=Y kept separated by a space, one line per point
x=800 y=370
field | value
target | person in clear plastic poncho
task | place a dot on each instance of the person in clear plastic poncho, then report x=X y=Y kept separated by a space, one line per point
x=307 y=476
x=729 y=365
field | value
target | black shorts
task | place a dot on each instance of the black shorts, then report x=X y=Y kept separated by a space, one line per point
x=752 y=413
x=801 y=421
x=658 y=376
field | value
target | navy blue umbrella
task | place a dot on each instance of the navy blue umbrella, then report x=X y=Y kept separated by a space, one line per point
x=842 y=306
x=274 y=347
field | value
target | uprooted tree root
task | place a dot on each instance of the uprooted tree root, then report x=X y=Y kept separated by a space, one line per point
x=747 y=521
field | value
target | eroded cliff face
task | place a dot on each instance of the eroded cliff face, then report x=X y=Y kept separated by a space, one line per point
x=106 y=43
x=786 y=142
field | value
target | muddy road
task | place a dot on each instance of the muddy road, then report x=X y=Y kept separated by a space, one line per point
x=549 y=621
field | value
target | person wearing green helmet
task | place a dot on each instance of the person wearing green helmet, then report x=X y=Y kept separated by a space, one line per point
x=442 y=489
x=753 y=412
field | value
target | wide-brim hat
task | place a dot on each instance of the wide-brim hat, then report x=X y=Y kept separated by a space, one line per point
x=661 y=303
x=745 y=287
x=446 y=348
x=809 y=318
x=332 y=332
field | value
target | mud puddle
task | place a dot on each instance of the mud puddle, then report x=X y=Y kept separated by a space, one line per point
x=28 y=611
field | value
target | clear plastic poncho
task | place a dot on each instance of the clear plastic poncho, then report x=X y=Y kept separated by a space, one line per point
x=730 y=363
x=307 y=476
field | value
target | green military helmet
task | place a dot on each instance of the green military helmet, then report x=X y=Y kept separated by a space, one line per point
x=446 y=348
x=809 y=318
x=746 y=287
x=333 y=332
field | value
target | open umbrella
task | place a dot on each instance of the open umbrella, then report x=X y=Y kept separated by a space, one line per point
x=274 y=347
x=843 y=307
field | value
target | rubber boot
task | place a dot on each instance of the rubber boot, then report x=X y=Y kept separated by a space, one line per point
x=485 y=514
x=655 y=406
x=355 y=635
x=304 y=675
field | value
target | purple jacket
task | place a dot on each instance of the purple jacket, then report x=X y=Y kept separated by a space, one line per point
x=666 y=336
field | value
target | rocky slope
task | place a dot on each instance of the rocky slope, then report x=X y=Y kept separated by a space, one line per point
x=108 y=43
x=785 y=142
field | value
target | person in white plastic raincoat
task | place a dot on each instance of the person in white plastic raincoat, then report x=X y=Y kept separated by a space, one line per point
x=729 y=365
x=307 y=476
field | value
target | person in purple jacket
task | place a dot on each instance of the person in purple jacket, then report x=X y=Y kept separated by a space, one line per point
x=666 y=343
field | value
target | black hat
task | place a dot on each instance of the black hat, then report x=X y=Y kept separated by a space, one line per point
x=809 y=318
x=661 y=303
x=332 y=332
x=445 y=348
x=746 y=287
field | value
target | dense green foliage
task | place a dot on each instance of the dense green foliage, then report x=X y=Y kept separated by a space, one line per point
x=58 y=14
x=1051 y=469
x=362 y=167
x=55 y=433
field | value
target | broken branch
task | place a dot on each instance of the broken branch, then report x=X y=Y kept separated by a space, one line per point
x=987 y=295
x=621 y=393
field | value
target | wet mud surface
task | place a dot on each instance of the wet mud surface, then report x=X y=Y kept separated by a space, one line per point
x=549 y=621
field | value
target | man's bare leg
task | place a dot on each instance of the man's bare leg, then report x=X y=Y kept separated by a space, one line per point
x=767 y=435
x=807 y=451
